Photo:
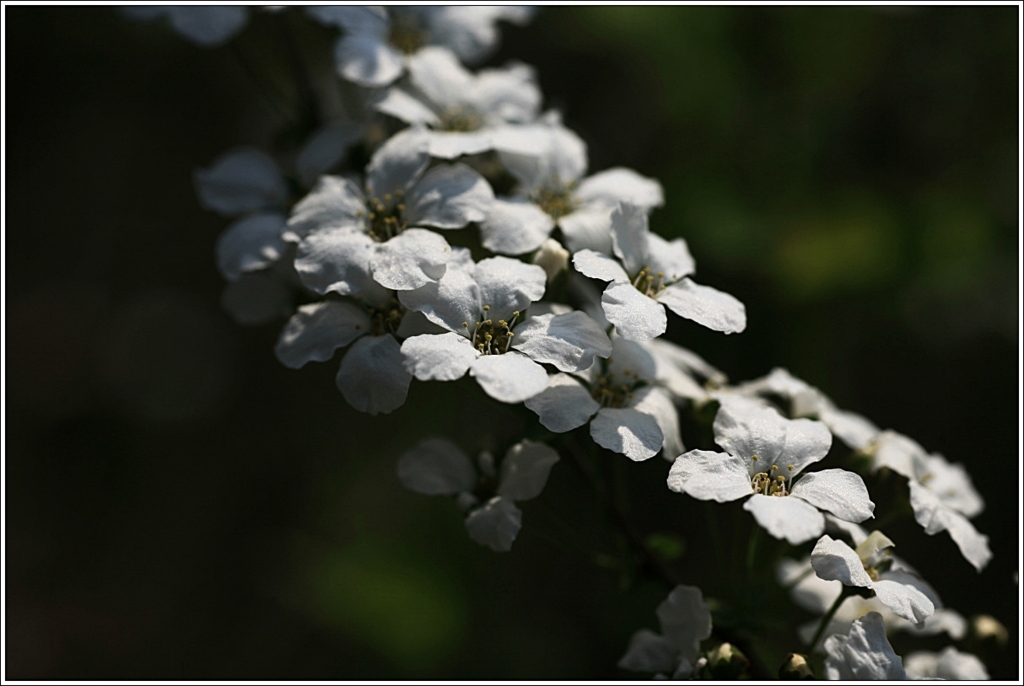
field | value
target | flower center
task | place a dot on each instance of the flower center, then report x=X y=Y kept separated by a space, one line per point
x=491 y=337
x=770 y=482
x=649 y=283
x=455 y=119
x=609 y=391
x=406 y=34
x=387 y=217
x=557 y=202
x=387 y=318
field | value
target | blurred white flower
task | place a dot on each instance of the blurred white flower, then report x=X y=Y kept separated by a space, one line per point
x=630 y=415
x=205 y=25
x=685 y=621
x=549 y=161
x=378 y=41
x=483 y=306
x=765 y=452
x=437 y=466
x=466 y=113
x=863 y=654
x=652 y=274
x=949 y=664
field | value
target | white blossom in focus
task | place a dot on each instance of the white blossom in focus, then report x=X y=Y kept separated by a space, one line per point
x=465 y=113
x=685 y=621
x=765 y=452
x=484 y=308
x=652 y=273
x=548 y=161
x=437 y=466
x=377 y=42
x=863 y=654
x=628 y=414
x=949 y=664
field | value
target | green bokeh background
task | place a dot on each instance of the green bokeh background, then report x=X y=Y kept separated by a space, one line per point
x=181 y=506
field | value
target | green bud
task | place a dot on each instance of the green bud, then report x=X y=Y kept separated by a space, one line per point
x=795 y=668
x=989 y=631
x=727 y=662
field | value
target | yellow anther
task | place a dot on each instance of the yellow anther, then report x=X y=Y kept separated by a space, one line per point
x=774 y=467
x=486 y=308
x=516 y=313
x=661 y=275
x=465 y=325
x=387 y=197
x=372 y=215
x=789 y=467
x=780 y=478
x=510 y=334
x=502 y=322
x=399 y=192
x=754 y=458
x=488 y=322
x=400 y=207
x=488 y=336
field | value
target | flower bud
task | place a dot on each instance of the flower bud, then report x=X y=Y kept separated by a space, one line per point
x=727 y=662
x=552 y=258
x=795 y=668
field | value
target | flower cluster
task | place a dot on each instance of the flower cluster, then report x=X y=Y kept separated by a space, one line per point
x=474 y=243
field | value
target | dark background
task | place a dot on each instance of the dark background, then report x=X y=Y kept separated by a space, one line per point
x=181 y=506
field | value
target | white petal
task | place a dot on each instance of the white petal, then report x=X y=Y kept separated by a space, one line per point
x=687 y=360
x=588 y=228
x=250 y=244
x=563 y=158
x=629 y=236
x=599 y=266
x=667 y=374
x=950 y=665
x=401 y=105
x=436 y=466
x=838 y=491
x=241 y=181
x=359 y=20
x=443 y=357
x=671 y=259
x=208 y=26
x=786 y=517
x=649 y=652
x=448 y=145
x=416 y=324
x=372 y=377
x=436 y=73
x=469 y=31
x=865 y=654
x=705 y=305
x=318 y=329
x=905 y=601
x=525 y=469
x=897 y=452
x=510 y=378
x=625 y=430
x=836 y=561
x=514 y=227
x=452 y=300
x=411 y=259
x=564 y=405
x=630 y=359
x=934 y=516
x=942 y=621
x=570 y=341
x=510 y=94
x=705 y=475
x=398 y=163
x=635 y=316
x=657 y=403
x=449 y=196
x=334 y=202
x=746 y=429
x=951 y=483
x=326 y=148
x=496 y=524
x=685 y=619
x=508 y=285
x=367 y=60
x=851 y=428
x=619 y=184
x=335 y=260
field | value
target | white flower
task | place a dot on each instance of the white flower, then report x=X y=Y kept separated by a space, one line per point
x=804 y=400
x=205 y=25
x=377 y=41
x=679 y=370
x=342 y=231
x=552 y=258
x=482 y=306
x=439 y=467
x=764 y=453
x=467 y=113
x=870 y=566
x=549 y=165
x=630 y=415
x=950 y=664
x=652 y=274
x=685 y=621
x=863 y=654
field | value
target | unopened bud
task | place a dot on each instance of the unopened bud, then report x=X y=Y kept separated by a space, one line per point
x=795 y=668
x=989 y=630
x=552 y=258
x=727 y=662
